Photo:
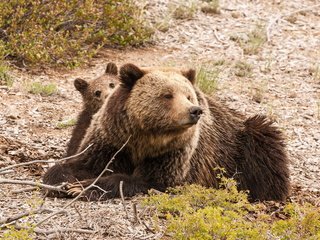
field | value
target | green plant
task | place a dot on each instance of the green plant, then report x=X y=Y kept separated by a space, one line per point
x=5 y=77
x=195 y=212
x=207 y=78
x=211 y=7
x=163 y=25
x=42 y=89
x=243 y=69
x=14 y=234
x=184 y=10
x=252 y=43
x=66 y=123
x=68 y=32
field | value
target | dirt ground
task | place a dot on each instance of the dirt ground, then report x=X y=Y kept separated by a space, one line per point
x=284 y=83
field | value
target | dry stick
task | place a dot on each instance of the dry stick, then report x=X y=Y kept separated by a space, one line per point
x=272 y=22
x=135 y=213
x=57 y=230
x=122 y=198
x=217 y=37
x=21 y=215
x=9 y=220
x=44 y=161
x=6 y=172
x=31 y=183
x=24 y=190
x=92 y=184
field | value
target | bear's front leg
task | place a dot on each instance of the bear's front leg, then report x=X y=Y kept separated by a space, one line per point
x=108 y=187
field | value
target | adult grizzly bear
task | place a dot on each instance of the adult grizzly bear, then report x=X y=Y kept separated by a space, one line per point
x=93 y=94
x=176 y=135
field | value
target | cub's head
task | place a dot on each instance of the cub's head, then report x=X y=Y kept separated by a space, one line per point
x=160 y=100
x=94 y=92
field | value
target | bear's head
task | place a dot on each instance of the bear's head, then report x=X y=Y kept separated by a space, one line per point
x=94 y=92
x=160 y=100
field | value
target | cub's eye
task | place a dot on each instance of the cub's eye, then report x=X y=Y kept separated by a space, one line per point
x=97 y=93
x=168 y=96
x=189 y=98
x=111 y=85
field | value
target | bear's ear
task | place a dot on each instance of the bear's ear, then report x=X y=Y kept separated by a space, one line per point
x=129 y=74
x=190 y=75
x=80 y=84
x=112 y=68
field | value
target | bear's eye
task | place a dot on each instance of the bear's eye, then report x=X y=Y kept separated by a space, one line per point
x=189 y=98
x=97 y=93
x=168 y=96
x=111 y=85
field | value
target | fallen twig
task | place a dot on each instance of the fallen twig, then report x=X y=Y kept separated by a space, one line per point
x=31 y=183
x=57 y=230
x=217 y=37
x=85 y=189
x=28 y=189
x=6 y=172
x=44 y=161
x=21 y=215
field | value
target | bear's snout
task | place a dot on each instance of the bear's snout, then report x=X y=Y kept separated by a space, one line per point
x=195 y=113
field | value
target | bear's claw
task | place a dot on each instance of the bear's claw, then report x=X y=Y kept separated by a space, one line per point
x=74 y=189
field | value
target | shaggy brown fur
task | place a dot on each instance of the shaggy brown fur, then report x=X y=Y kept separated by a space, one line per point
x=93 y=93
x=169 y=145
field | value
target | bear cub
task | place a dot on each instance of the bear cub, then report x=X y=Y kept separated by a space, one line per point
x=93 y=94
x=170 y=133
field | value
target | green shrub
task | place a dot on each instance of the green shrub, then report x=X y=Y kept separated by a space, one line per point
x=66 y=32
x=195 y=212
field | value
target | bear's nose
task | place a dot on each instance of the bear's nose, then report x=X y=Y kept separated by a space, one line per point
x=195 y=113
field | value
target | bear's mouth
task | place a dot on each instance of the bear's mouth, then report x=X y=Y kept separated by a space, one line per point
x=189 y=123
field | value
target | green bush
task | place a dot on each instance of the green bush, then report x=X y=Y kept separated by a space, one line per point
x=195 y=212
x=66 y=32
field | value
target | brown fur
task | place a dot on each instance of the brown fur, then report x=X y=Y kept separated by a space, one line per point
x=93 y=93
x=167 y=147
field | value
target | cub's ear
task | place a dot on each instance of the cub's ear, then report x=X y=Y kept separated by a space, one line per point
x=112 y=68
x=190 y=75
x=80 y=84
x=129 y=74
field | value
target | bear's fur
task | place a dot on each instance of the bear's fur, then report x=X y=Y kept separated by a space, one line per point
x=157 y=112
x=93 y=94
